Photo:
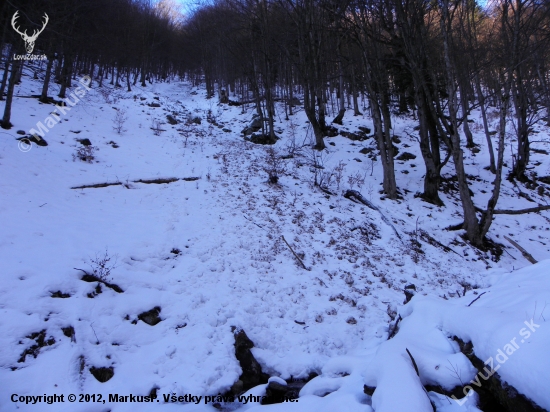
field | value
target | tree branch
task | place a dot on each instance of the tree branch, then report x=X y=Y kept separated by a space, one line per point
x=525 y=254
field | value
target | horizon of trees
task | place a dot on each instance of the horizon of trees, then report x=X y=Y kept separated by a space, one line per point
x=436 y=60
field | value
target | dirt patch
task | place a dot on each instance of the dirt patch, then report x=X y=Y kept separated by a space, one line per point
x=40 y=342
x=88 y=277
x=102 y=374
x=60 y=294
x=151 y=317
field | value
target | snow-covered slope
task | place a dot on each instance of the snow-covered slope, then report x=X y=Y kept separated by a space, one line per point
x=209 y=253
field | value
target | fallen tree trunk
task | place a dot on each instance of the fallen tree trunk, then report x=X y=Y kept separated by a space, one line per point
x=521 y=211
x=525 y=254
x=157 y=181
x=355 y=196
x=539 y=208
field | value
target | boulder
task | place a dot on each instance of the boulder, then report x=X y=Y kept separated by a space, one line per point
x=255 y=125
x=151 y=317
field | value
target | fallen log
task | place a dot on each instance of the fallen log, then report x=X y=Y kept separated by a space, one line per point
x=525 y=254
x=521 y=211
x=354 y=194
x=146 y=181
x=539 y=208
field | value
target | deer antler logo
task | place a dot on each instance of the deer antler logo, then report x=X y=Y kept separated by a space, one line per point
x=29 y=40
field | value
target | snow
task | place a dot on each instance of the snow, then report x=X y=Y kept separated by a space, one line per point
x=233 y=268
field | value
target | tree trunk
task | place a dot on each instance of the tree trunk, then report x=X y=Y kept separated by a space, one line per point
x=487 y=218
x=471 y=223
x=356 y=111
x=520 y=105
x=6 y=124
x=129 y=88
x=65 y=77
x=481 y=100
x=47 y=77
x=341 y=102
x=5 y=75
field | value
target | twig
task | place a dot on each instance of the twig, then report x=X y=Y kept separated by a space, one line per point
x=525 y=254
x=476 y=298
x=97 y=339
x=261 y=227
x=294 y=253
x=414 y=363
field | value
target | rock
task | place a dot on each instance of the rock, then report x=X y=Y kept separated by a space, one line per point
x=395 y=150
x=102 y=374
x=224 y=98
x=171 y=119
x=365 y=130
x=154 y=104
x=252 y=374
x=151 y=317
x=255 y=125
x=331 y=131
x=84 y=142
x=21 y=132
x=405 y=156
x=34 y=139
x=68 y=332
x=366 y=150
x=294 y=102
x=60 y=294
x=260 y=138
x=275 y=393
x=494 y=394
x=368 y=390
x=410 y=291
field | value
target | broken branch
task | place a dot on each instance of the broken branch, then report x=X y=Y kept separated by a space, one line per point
x=525 y=254
x=294 y=253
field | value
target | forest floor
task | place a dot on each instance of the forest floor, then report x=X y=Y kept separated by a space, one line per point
x=205 y=245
